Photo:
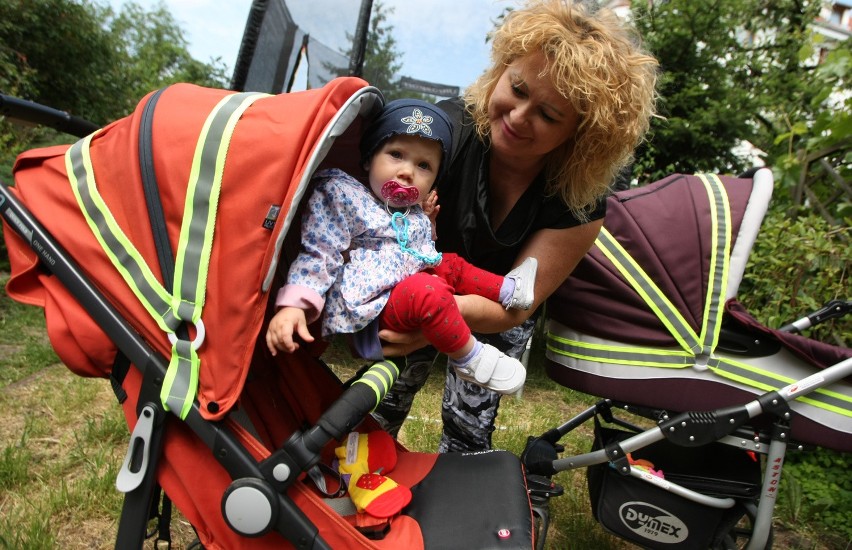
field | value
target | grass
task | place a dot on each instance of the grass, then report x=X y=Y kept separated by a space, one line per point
x=63 y=438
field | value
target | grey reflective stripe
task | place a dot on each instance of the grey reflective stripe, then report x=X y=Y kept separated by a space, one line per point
x=196 y=236
x=621 y=355
x=121 y=252
x=728 y=368
x=770 y=381
x=717 y=280
x=183 y=380
x=194 y=245
x=695 y=346
x=649 y=291
x=720 y=216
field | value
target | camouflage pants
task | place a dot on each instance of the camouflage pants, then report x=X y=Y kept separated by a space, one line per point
x=468 y=411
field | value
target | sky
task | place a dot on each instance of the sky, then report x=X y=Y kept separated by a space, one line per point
x=444 y=46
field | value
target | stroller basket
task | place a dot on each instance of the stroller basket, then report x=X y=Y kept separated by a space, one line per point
x=655 y=518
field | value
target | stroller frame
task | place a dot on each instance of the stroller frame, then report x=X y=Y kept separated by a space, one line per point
x=693 y=429
x=265 y=483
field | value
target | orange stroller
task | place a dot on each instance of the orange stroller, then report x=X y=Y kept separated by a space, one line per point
x=152 y=245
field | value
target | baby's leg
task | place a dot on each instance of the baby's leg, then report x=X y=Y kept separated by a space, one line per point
x=466 y=278
x=425 y=302
x=515 y=290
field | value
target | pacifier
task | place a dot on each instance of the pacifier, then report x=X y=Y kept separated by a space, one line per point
x=399 y=196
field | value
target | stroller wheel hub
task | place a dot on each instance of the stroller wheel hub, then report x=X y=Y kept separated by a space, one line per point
x=250 y=507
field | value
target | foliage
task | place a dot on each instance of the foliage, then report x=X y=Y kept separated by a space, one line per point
x=796 y=266
x=155 y=52
x=701 y=87
x=82 y=58
x=726 y=80
x=816 y=148
x=817 y=485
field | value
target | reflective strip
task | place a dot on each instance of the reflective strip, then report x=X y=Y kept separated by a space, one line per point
x=769 y=381
x=194 y=245
x=720 y=252
x=731 y=369
x=121 y=252
x=650 y=292
x=620 y=355
x=379 y=377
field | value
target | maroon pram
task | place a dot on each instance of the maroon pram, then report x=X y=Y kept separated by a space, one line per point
x=649 y=322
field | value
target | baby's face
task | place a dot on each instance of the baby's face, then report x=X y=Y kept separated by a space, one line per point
x=411 y=161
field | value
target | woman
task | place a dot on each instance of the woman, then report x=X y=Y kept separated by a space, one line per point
x=539 y=137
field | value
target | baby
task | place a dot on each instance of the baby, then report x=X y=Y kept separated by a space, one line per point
x=368 y=260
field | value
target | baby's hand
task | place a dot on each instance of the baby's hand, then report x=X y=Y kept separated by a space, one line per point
x=431 y=208
x=279 y=335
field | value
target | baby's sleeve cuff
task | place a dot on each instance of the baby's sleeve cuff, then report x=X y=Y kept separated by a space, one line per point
x=302 y=297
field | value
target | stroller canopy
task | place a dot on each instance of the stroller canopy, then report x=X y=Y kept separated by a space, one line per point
x=228 y=169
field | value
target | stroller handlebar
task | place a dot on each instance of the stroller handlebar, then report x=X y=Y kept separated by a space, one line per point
x=362 y=396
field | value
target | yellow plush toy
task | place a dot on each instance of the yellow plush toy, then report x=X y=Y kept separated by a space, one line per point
x=364 y=459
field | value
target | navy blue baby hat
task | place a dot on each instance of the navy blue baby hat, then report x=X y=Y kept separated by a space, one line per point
x=409 y=117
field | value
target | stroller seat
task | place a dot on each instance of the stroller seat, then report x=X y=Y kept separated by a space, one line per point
x=661 y=327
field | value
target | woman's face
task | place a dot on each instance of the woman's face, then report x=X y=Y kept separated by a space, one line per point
x=529 y=118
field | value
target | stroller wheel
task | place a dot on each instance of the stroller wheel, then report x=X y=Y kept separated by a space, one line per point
x=735 y=529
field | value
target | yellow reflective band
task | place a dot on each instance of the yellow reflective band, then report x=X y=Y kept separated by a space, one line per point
x=194 y=246
x=203 y=189
x=730 y=369
x=372 y=385
x=649 y=291
x=617 y=354
x=720 y=251
x=705 y=343
x=121 y=252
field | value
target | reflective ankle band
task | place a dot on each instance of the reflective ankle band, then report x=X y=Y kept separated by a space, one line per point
x=194 y=246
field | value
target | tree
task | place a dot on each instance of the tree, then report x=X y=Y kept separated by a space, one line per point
x=381 y=58
x=81 y=57
x=155 y=54
x=725 y=79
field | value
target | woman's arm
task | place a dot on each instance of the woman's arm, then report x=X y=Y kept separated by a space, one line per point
x=558 y=252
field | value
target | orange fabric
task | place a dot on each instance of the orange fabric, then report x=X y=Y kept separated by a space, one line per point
x=269 y=150
x=268 y=153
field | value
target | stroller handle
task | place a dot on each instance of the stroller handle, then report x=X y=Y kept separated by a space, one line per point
x=362 y=396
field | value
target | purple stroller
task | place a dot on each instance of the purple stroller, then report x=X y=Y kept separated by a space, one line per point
x=661 y=334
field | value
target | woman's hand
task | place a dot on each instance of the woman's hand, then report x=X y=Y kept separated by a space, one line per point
x=397 y=344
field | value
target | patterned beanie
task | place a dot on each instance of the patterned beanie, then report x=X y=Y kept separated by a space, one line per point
x=409 y=117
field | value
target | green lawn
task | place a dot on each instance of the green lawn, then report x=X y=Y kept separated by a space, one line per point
x=62 y=440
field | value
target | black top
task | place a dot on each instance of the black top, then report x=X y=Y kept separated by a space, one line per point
x=464 y=225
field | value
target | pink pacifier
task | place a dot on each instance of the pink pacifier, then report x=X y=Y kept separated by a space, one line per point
x=398 y=195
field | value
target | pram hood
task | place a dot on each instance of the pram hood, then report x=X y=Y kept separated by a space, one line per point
x=281 y=140
x=640 y=319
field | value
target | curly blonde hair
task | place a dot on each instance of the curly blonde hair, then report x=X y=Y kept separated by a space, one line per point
x=597 y=63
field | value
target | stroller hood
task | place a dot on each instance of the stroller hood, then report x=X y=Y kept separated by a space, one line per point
x=274 y=146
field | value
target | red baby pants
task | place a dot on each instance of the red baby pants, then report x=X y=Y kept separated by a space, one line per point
x=425 y=301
